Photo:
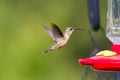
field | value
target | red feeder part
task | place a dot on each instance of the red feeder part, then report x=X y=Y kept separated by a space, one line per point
x=105 y=60
x=116 y=48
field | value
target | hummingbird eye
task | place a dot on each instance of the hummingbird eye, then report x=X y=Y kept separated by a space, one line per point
x=71 y=29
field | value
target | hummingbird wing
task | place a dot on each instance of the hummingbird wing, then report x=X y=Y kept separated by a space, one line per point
x=57 y=32
x=49 y=31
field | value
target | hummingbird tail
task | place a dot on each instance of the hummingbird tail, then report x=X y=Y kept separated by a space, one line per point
x=46 y=51
x=49 y=49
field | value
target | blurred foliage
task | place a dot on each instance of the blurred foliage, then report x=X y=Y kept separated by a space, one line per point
x=23 y=39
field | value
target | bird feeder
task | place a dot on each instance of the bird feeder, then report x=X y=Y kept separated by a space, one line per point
x=108 y=60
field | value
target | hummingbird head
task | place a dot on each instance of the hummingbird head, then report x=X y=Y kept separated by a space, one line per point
x=69 y=30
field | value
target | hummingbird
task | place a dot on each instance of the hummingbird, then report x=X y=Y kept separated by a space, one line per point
x=60 y=39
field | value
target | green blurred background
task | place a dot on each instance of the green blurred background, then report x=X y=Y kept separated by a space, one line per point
x=23 y=39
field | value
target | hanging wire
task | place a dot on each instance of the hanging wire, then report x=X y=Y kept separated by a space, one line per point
x=95 y=49
x=93 y=13
x=94 y=45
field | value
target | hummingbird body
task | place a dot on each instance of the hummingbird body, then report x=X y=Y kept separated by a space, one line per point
x=58 y=45
x=59 y=38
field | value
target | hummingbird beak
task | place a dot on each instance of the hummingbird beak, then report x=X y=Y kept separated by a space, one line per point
x=78 y=29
